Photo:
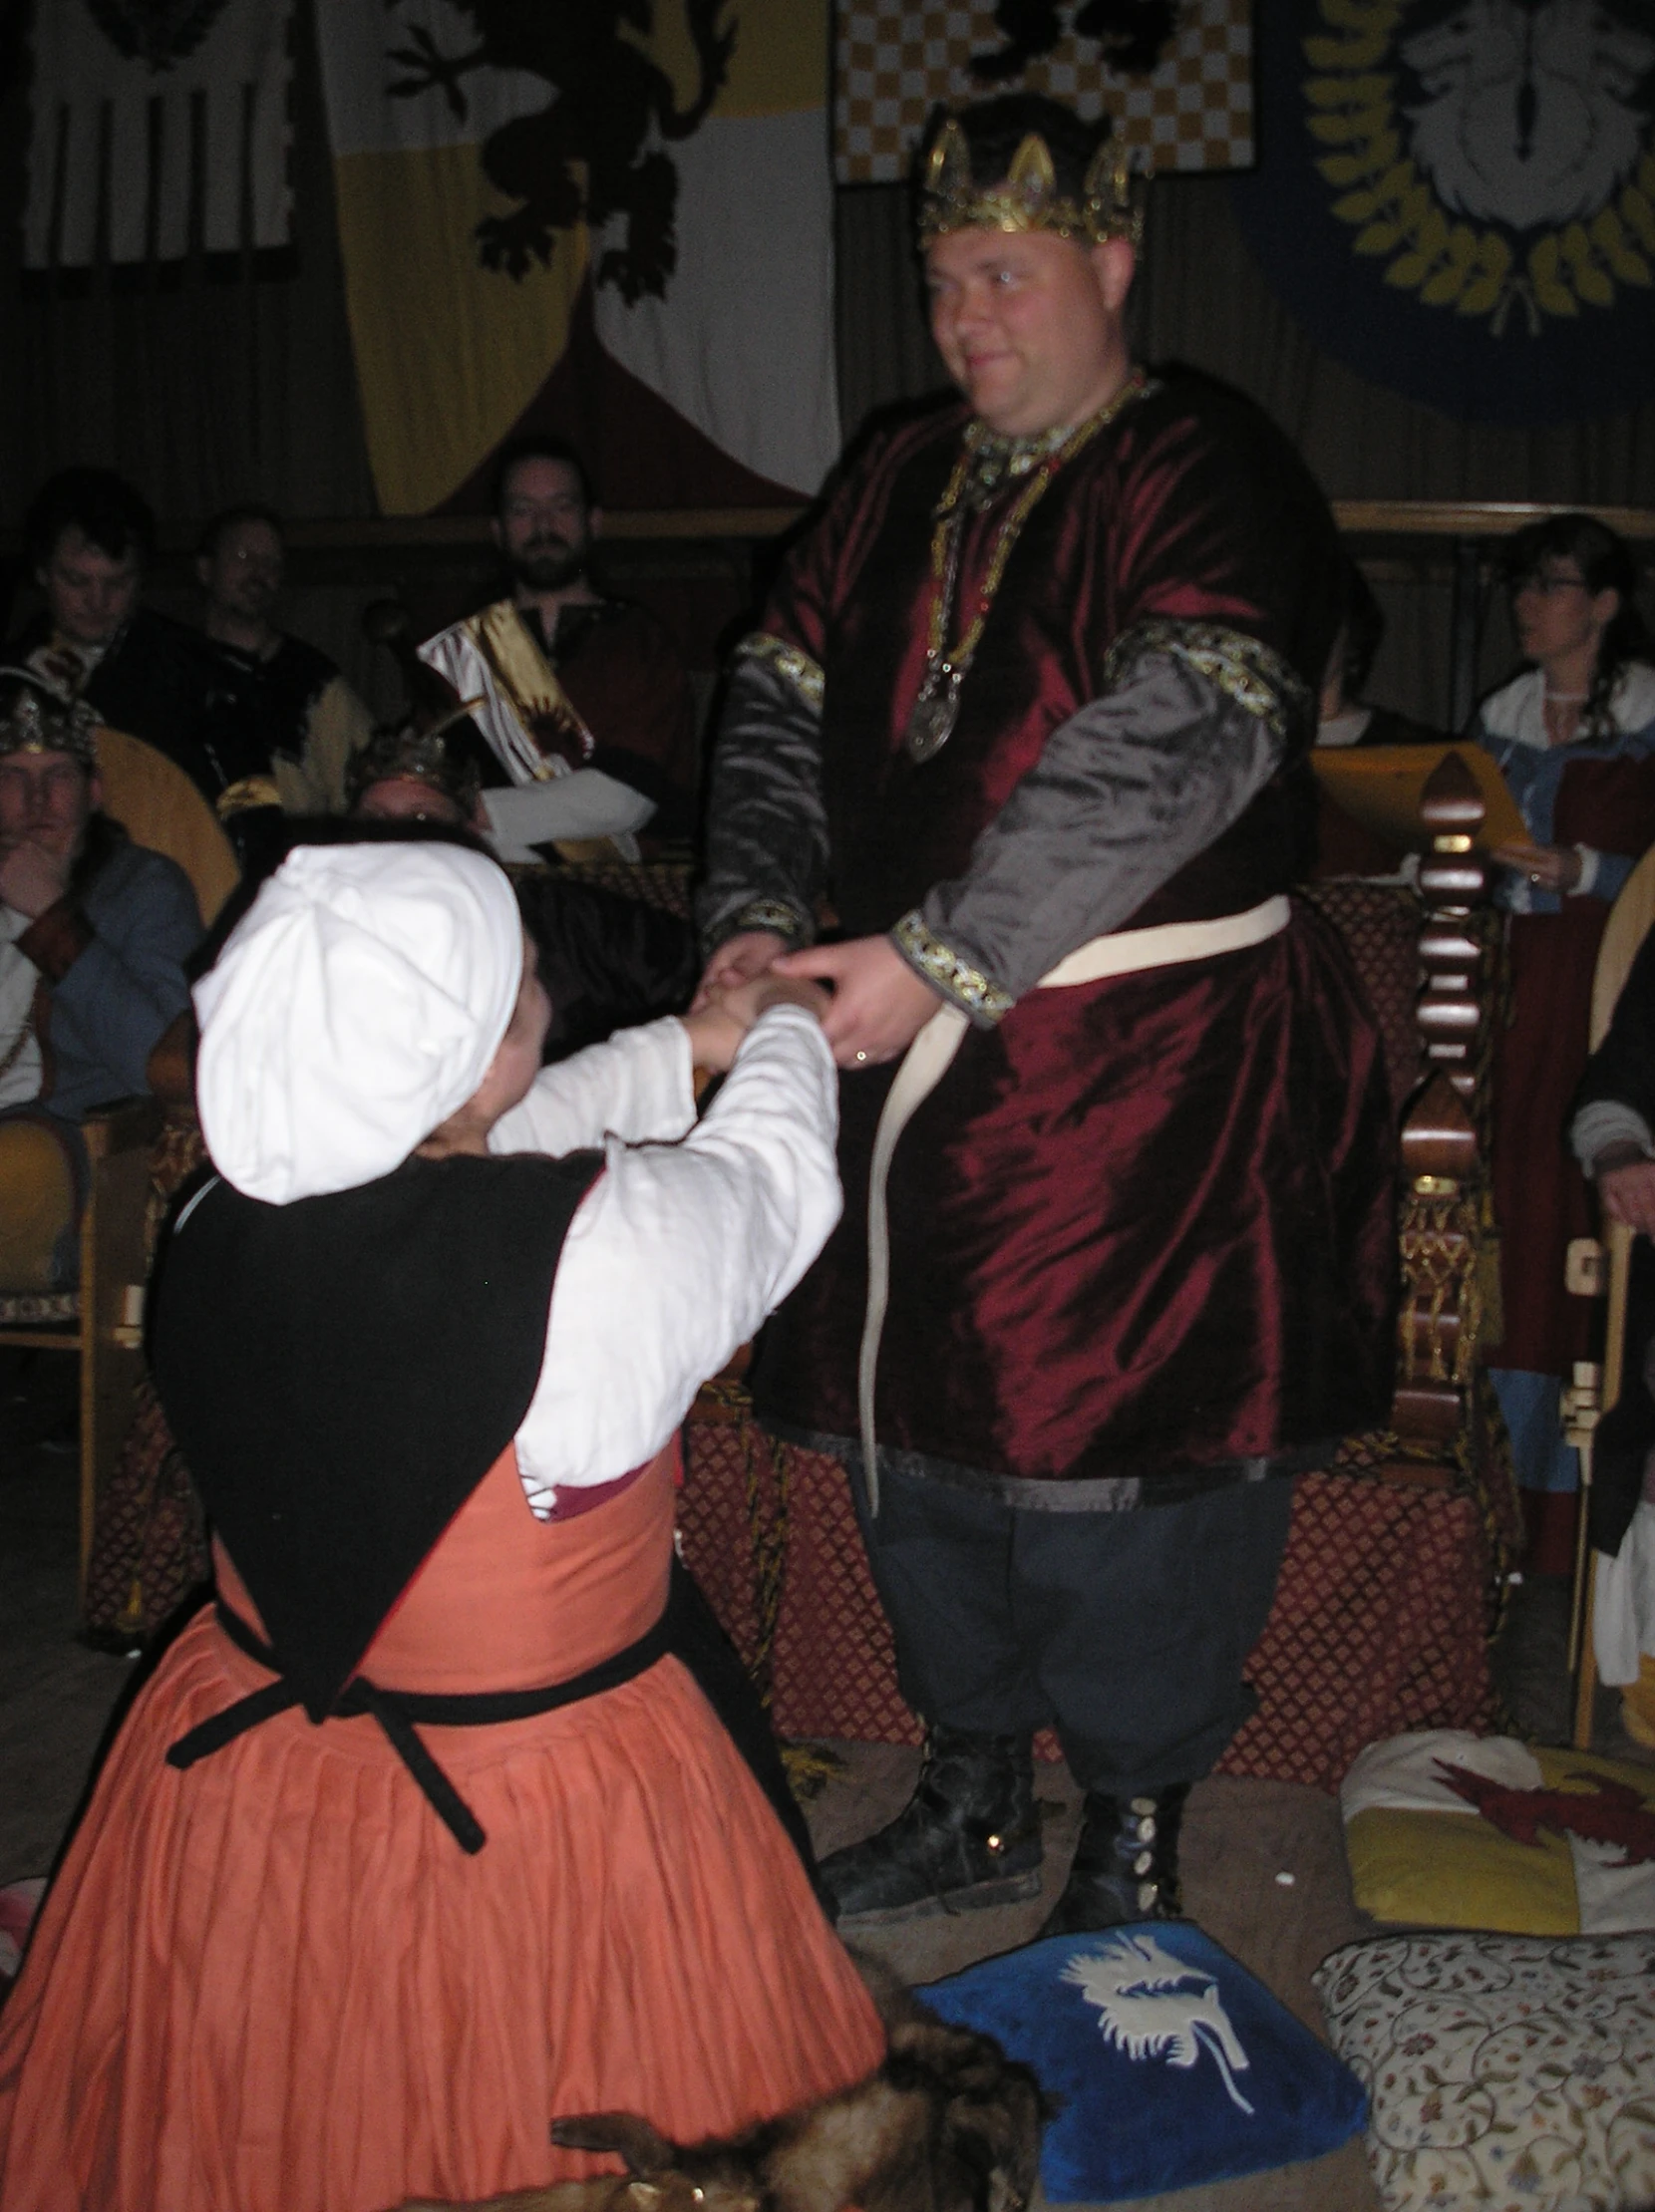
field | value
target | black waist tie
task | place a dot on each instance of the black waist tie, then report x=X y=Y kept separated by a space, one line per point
x=396 y=1711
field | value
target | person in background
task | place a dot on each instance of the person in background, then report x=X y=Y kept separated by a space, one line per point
x=94 y=932
x=420 y=1838
x=609 y=962
x=1613 y=1139
x=91 y=537
x=1574 y=736
x=567 y=676
x=1343 y=846
x=274 y=696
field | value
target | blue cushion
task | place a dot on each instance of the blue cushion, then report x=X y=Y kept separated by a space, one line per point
x=1171 y=2064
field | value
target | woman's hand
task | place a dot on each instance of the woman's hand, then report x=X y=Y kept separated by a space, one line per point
x=716 y=1031
x=738 y=960
x=1547 y=867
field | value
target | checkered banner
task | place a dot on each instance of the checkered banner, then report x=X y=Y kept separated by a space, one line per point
x=1193 y=111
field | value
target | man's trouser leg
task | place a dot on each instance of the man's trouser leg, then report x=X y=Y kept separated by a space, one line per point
x=1128 y=1631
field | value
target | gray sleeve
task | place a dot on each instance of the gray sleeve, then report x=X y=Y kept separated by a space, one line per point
x=1607 y=1122
x=1125 y=792
x=767 y=834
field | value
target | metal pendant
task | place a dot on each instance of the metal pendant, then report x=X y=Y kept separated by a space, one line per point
x=936 y=711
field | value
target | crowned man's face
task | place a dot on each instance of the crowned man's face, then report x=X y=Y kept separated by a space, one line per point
x=1030 y=325
x=46 y=799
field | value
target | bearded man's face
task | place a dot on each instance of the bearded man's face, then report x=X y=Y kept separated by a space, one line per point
x=545 y=524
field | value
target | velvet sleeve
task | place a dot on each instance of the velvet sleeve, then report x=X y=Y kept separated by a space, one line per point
x=766 y=823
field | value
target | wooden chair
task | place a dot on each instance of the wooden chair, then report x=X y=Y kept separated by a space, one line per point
x=1602 y=1268
x=102 y=1320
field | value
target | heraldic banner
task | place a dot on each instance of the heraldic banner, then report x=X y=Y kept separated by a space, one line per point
x=1457 y=196
x=153 y=128
x=1176 y=76
x=551 y=215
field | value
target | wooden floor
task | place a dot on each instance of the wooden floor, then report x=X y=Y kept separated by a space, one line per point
x=1242 y=1839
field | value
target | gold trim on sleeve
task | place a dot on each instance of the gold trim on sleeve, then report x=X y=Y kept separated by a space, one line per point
x=772 y=914
x=1244 y=668
x=804 y=674
x=943 y=968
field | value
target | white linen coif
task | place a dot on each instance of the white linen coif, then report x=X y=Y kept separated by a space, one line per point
x=353 y=1009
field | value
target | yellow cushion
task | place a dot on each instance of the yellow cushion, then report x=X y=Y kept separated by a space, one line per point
x=1448 y=1870
x=37 y=1206
x=1453 y=1869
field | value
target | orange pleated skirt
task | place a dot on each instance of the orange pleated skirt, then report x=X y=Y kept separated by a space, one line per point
x=274 y=1983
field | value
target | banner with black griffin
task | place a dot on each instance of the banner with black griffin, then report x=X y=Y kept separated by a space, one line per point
x=614 y=219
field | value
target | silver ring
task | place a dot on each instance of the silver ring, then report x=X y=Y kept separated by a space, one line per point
x=862 y=1056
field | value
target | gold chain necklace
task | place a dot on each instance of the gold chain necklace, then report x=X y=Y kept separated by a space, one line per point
x=989 y=459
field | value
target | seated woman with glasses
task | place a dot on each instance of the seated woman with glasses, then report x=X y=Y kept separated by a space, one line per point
x=1574 y=736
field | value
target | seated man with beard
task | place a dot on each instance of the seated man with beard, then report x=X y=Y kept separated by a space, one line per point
x=272 y=692
x=566 y=677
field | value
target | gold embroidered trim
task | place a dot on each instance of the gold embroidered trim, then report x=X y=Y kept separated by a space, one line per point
x=968 y=987
x=1247 y=670
x=771 y=913
x=804 y=674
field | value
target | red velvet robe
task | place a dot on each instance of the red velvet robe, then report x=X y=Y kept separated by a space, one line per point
x=1143 y=1226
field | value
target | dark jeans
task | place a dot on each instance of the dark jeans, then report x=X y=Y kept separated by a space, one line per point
x=1128 y=1632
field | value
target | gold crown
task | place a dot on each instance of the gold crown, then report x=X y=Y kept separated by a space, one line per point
x=38 y=718
x=951 y=199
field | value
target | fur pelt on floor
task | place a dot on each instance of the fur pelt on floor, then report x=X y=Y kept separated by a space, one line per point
x=947 y=2125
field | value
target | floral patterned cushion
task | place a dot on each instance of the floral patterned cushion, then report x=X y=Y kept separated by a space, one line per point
x=1508 y=2072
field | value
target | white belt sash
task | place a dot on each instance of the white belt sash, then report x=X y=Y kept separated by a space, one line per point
x=926 y=1062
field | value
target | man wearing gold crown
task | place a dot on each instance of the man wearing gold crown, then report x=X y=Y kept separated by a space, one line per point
x=1027 y=707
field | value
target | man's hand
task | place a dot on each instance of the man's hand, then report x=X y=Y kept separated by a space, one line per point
x=738 y=960
x=879 y=1004
x=1547 y=867
x=1628 y=1194
x=31 y=878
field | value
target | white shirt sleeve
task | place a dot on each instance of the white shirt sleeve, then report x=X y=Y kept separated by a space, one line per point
x=677 y=1254
x=638 y=1086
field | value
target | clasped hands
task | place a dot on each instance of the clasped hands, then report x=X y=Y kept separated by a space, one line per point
x=869 y=1002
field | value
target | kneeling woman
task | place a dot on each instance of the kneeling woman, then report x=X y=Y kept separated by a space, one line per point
x=418 y=1839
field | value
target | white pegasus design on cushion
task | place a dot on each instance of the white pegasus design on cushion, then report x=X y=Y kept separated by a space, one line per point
x=1152 y=2006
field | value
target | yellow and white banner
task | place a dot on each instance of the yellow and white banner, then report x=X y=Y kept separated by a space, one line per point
x=1191 y=110
x=487 y=184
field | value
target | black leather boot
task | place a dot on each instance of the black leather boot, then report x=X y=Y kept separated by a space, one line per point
x=1125 y=1864
x=969 y=1837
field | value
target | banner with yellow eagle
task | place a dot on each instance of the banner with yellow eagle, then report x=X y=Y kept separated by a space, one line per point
x=1457 y=196
x=612 y=218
